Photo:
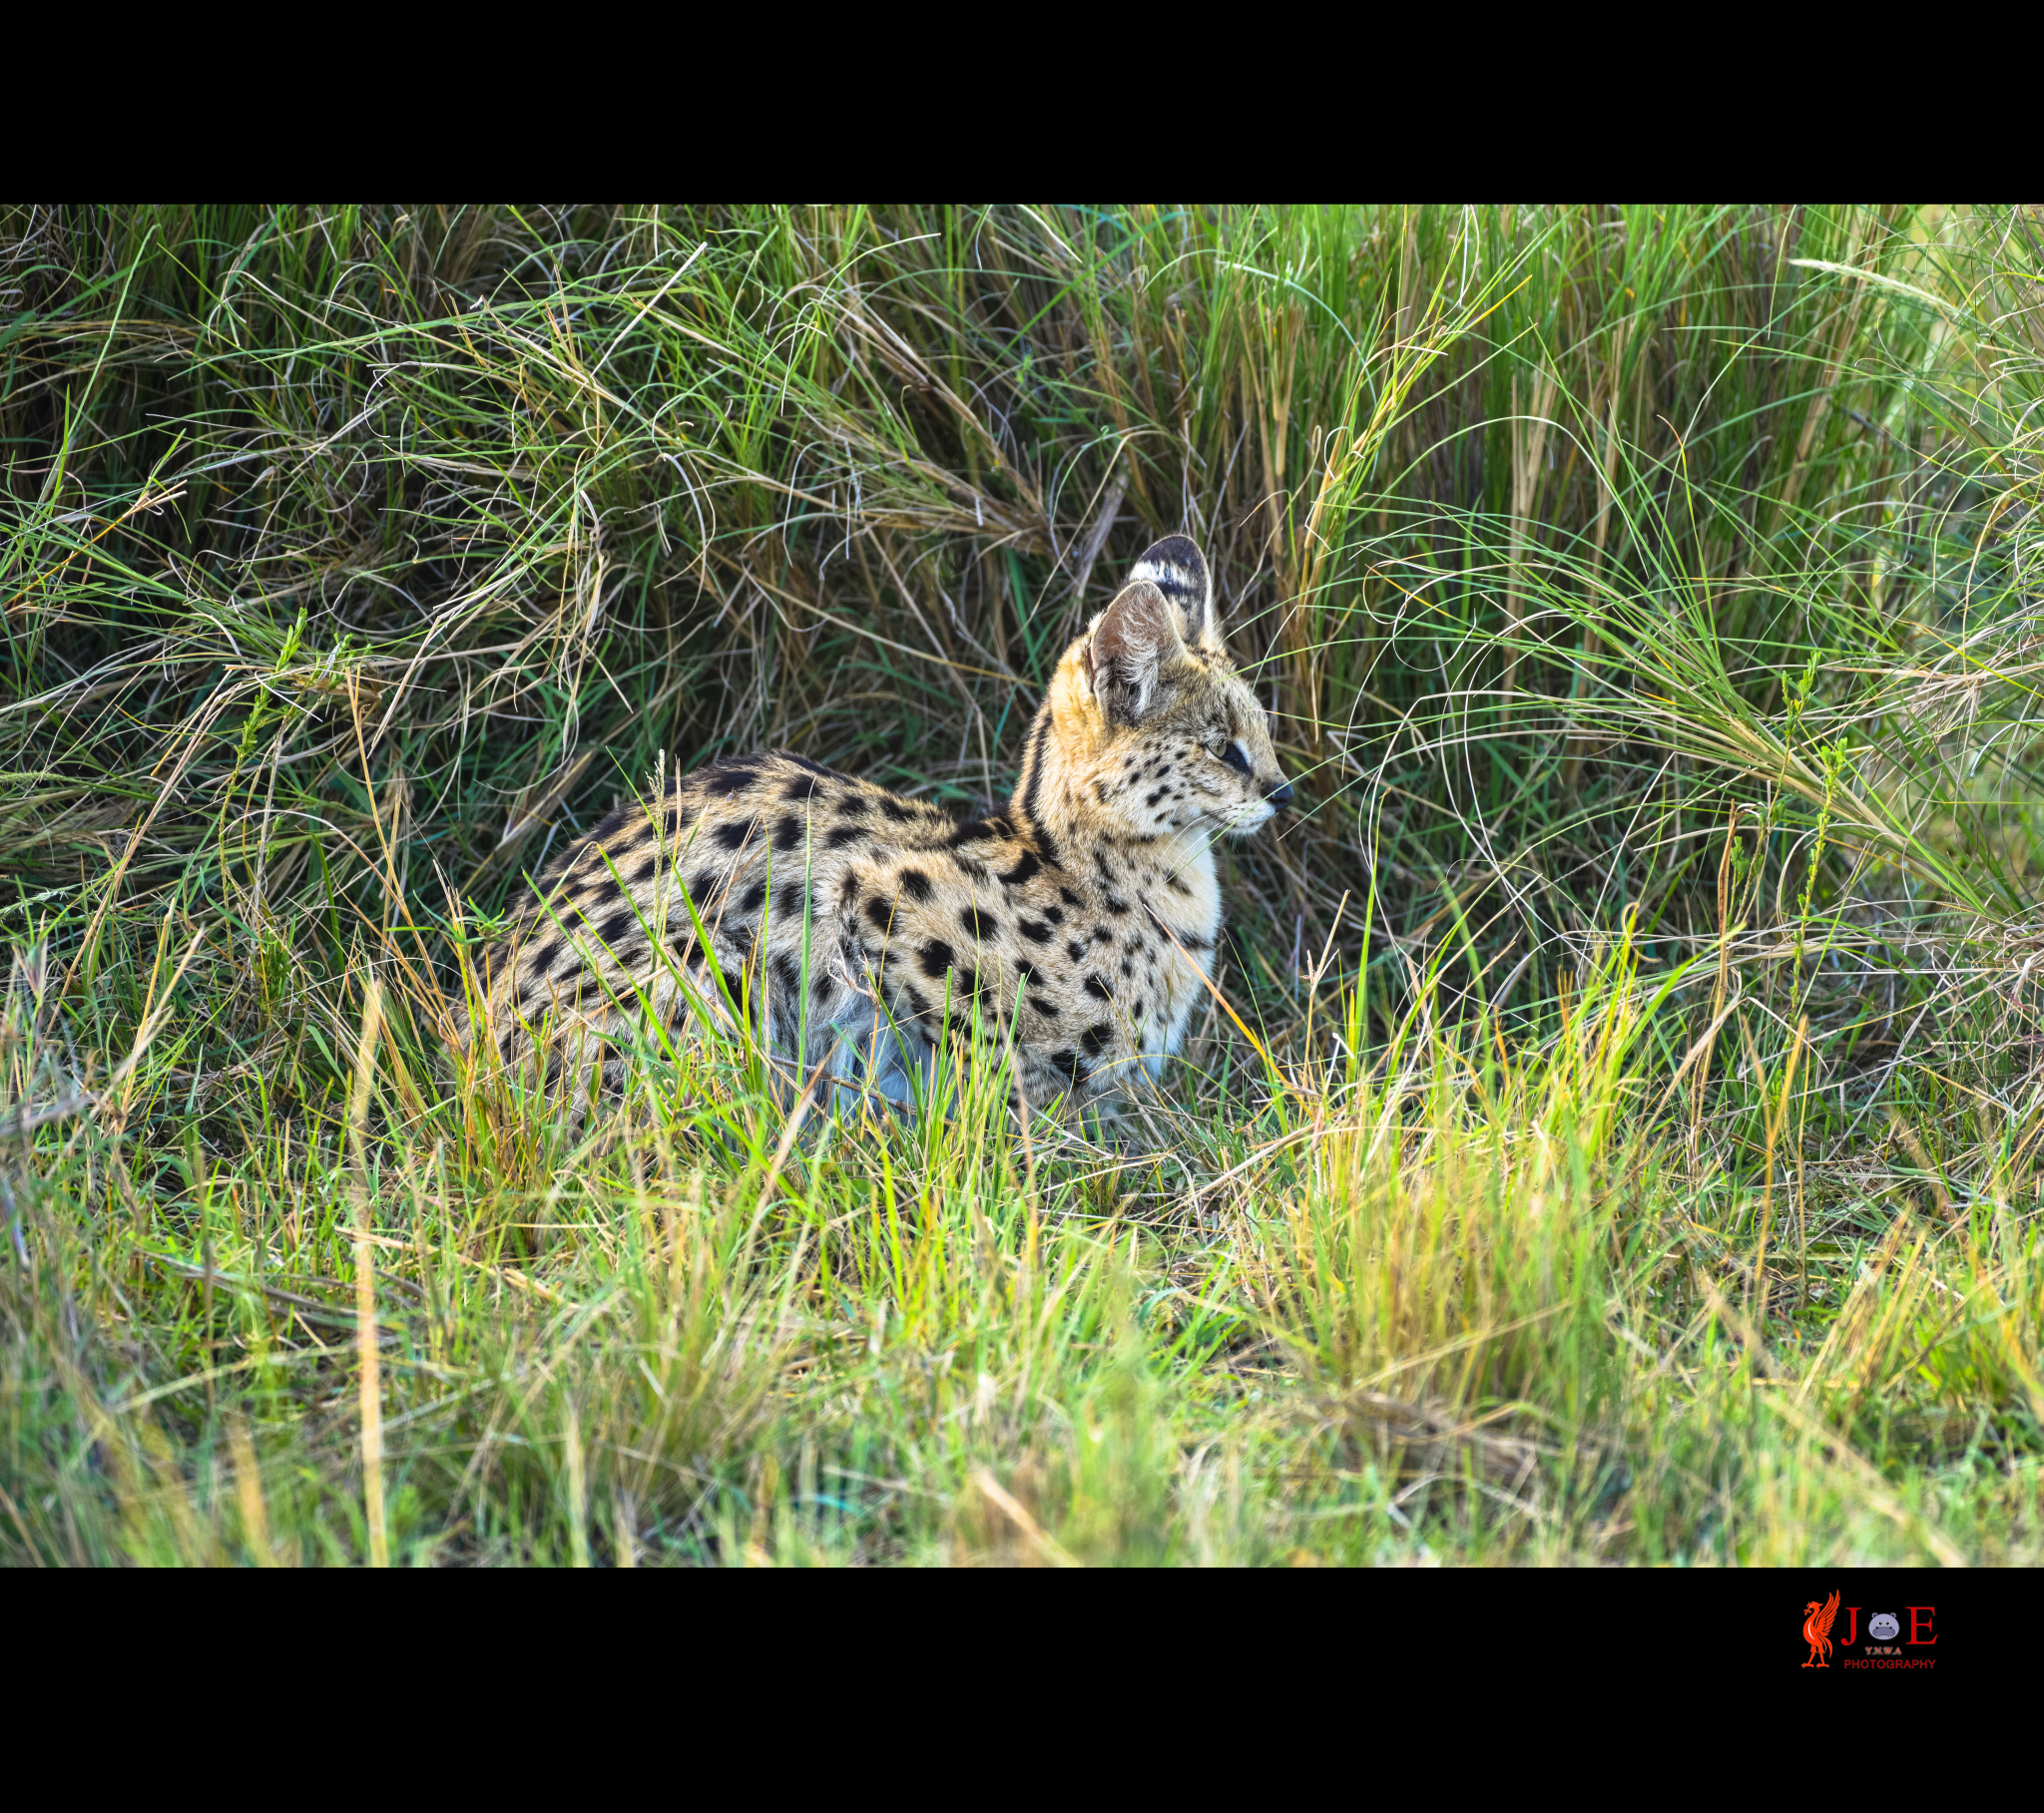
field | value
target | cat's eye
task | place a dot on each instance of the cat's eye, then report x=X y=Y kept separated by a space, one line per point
x=1236 y=760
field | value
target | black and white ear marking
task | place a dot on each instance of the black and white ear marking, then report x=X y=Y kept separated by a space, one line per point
x=1175 y=568
x=1136 y=641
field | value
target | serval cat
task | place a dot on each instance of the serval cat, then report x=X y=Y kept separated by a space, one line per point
x=860 y=931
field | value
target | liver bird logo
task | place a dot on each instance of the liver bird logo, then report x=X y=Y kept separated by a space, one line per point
x=1816 y=1630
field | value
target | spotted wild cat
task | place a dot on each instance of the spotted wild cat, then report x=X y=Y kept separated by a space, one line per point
x=863 y=930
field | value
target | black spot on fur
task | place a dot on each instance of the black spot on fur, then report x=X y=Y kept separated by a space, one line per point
x=973 y=831
x=803 y=786
x=1026 y=971
x=878 y=911
x=728 y=778
x=1032 y=783
x=787 y=971
x=895 y=809
x=789 y=902
x=1033 y=930
x=917 y=884
x=748 y=901
x=935 y=958
x=685 y=946
x=1069 y=898
x=1096 y=1039
x=1176 y=885
x=1116 y=905
x=984 y=926
x=617 y=925
x=736 y=834
x=1026 y=865
x=543 y=956
x=917 y=1004
x=1076 y=951
x=1056 y=915
x=1048 y=1009
x=1101 y=935
x=1068 y=1065
x=842 y=834
x=807 y=766
x=788 y=834
x=646 y=871
x=1098 y=989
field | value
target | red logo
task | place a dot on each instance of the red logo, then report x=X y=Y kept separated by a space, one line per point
x=1816 y=1630
x=1880 y=1649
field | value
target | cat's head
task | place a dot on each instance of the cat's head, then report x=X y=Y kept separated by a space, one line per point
x=1151 y=724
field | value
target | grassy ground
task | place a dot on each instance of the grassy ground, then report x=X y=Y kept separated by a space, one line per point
x=1619 y=1138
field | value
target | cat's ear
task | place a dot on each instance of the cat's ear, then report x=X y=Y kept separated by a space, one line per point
x=1135 y=644
x=1177 y=568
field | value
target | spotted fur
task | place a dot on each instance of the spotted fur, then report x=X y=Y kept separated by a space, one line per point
x=865 y=931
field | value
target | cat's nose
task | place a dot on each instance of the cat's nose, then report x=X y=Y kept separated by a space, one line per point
x=1281 y=794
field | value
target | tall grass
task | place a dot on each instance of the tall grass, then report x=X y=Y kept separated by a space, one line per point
x=1633 y=1157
